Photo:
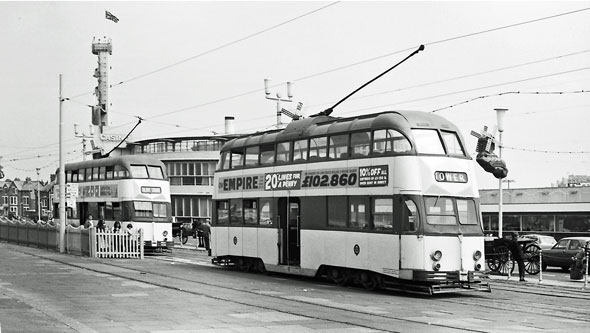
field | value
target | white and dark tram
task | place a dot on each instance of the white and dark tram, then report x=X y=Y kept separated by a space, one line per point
x=386 y=200
x=131 y=189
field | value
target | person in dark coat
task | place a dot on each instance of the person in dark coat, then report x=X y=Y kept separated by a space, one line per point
x=206 y=228
x=517 y=255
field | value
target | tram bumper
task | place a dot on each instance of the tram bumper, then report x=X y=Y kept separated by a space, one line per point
x=452 y=280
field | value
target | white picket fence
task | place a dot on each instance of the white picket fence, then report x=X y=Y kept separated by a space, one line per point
x=118 y=245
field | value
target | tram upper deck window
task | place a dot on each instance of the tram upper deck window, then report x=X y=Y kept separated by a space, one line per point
x=338 y=146
x=300 y=150
x=453 y=145
x=155 y=172
x=267 y=154
x=224 y=159
x=252 y=155
x=388 y=141
x=109 y=172
x=96 y=173
x=237 y=159
x=120 y=172
x=360 y=144
x=318 y=148
x=467 y=211
x=283 y=152
x=428 y=142
x=440 y=211
x=139 y=171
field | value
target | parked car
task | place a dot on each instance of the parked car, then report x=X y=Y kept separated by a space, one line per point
x=560 y=255
x=544 y=241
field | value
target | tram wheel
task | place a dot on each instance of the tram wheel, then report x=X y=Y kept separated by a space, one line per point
x=369 y=281
x=339 y=276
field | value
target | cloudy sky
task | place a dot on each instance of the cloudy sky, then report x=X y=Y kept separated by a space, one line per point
x=183 y=66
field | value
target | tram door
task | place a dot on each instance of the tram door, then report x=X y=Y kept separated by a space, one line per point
x=289 y=250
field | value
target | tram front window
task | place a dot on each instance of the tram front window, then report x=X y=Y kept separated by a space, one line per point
x=440 y=211
x=467 y=212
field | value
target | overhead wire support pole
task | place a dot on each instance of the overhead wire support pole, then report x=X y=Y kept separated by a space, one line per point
x=62 y=174
x=328 y=111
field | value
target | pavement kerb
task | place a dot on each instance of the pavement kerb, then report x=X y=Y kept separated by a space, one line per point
x=533 y=280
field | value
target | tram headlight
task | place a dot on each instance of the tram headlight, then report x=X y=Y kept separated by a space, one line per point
x=477 y=267
x=477 y=255
x=165 y=233
x=436 y=255
x=436 y=266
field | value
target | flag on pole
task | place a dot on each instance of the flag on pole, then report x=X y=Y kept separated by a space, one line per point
x=110 y=16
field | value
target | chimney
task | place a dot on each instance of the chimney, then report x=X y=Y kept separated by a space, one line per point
x=229 y=125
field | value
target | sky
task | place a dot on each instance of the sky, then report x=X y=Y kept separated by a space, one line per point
x=183 y=66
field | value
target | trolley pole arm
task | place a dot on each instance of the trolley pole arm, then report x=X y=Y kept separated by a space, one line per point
x=329 y=110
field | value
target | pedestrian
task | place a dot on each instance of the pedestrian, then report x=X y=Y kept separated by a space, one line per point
x=89 y=223
x=206 y=228
x=101 y=228
x=117 y=227
x=116 y=238
x=517 y=254
x=132 y=241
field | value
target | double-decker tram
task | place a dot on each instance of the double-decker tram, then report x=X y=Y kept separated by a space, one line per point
x=386 y=200
x=129 y=189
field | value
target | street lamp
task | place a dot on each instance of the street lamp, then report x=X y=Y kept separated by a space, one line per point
x=278 y=98
x=500 y=113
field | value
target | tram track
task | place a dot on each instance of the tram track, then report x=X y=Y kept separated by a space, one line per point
x=312 y=307
x=293 y=305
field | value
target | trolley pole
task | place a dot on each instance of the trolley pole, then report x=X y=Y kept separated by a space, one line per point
x=62 y=174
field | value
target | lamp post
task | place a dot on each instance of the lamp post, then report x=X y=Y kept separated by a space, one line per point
x=278 y=98
x=62 y=174
x=500 y=113
x=84 y=137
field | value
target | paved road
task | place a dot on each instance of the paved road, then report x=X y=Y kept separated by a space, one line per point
x=43 y=291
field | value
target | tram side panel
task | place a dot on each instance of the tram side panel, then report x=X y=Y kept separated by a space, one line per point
x=268 y=249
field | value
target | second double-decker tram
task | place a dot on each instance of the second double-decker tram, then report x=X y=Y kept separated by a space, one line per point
x=383 y=200
x=130 y=189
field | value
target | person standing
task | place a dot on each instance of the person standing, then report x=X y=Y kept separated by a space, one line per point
x=517 y=254
x=89 y=223
x=206 y=228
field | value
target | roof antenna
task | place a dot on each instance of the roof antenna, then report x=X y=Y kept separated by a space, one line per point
x=329 y=110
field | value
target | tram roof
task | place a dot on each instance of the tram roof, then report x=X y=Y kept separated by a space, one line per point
x=403 y=121
x=119 y=160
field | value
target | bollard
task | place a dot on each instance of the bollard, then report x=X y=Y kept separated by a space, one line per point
x=181 y=236
x=586 y=273
x=540 y=265
x=509 y=263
